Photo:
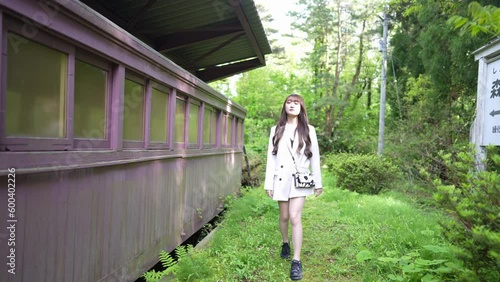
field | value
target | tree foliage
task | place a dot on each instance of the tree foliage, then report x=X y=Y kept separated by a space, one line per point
x=433 y=101
x=339 y=33
x=483 y=19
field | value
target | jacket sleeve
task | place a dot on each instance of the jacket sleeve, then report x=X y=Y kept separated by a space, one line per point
x=271 y=162
x=315 y=160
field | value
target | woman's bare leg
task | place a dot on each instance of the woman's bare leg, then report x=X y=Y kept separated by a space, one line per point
x=295 y=211
x=284 y=218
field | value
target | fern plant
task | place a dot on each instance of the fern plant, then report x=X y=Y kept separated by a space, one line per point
x=153 y=275
x=182 y=252
x=187 y=267
x=168 y=262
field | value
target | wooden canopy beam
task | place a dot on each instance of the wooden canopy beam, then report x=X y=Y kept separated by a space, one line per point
x=220 y=46
x=146 y=7
x=219 y=72
x=187 y=37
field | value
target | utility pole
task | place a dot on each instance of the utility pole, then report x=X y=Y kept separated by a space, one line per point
x=383 y=48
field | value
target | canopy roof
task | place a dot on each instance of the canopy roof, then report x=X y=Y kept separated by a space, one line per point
x=212 y=39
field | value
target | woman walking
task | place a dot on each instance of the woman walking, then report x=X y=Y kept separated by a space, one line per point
x=293 y=146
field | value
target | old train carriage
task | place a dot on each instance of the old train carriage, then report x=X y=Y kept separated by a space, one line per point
x=112 y=145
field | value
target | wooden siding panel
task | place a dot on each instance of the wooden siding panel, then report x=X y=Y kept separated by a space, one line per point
x=72 y=232
x=109 y=223
x=80 y=216
x=99 y=223
x=105 y=205
x=21 y=207
x=206 y=189
x=57 y=233
x=36 y=226
x=118 y=192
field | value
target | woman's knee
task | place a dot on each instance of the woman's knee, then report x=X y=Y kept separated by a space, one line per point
x=284 y=217
x=295 y=219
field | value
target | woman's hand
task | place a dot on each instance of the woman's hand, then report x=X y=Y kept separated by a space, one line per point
x=318 y=192
x=269 y=193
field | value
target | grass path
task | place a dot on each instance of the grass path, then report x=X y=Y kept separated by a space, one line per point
x=347 y=237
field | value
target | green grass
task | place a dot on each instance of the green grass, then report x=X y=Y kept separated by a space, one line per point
x=347 y=237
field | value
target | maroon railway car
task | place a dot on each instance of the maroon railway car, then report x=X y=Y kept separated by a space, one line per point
x=112 y=145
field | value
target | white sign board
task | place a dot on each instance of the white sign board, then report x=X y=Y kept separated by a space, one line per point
x=491 y=114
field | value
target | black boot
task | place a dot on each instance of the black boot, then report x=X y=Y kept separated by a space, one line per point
x=285 y=250
x=296 y=271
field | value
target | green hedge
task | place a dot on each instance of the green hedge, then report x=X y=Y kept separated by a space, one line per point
x=365 y=174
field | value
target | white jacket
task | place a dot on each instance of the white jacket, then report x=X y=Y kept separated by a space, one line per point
x=280 y=167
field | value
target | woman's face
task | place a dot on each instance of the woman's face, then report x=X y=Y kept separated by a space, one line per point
x=292 y=106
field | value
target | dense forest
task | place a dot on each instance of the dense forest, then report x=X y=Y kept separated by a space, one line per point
x=431 y=91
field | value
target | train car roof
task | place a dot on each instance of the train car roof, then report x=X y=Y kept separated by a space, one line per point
x=212 y=39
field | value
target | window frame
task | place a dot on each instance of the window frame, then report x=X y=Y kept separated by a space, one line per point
x=136 y=144
x=86 y=57
x=34 y=143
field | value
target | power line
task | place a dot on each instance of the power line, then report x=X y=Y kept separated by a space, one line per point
x=383 y=44
x=396 y=86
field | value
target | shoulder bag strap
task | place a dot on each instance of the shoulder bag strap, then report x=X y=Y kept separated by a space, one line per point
x=292 y=158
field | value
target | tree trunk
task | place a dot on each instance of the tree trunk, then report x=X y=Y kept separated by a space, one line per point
x=330 y=112
x=328 y=130
x=369 y=102
x=355 y=78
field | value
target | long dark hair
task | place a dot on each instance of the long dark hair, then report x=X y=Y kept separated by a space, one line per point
x=302 y=127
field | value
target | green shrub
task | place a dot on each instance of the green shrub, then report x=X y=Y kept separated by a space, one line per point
x=473 y=199
x=365 y=174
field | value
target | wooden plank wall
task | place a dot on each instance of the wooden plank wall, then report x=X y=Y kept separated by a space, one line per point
x=109 y=223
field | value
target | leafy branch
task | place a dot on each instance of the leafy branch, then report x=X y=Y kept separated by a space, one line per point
x=485 y=19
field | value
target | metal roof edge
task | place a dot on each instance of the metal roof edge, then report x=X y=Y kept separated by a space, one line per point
x=253 y=16
x=489 y=50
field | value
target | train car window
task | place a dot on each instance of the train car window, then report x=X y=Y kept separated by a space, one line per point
x=214 y=122
x=36 y=89
x=229 y=134
x=239 y=134
x=209 y=126
x=91 y=99
x=194 y=117
x=227 y=123
x=159 y=116
x=180 y=120
x=133 y=112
